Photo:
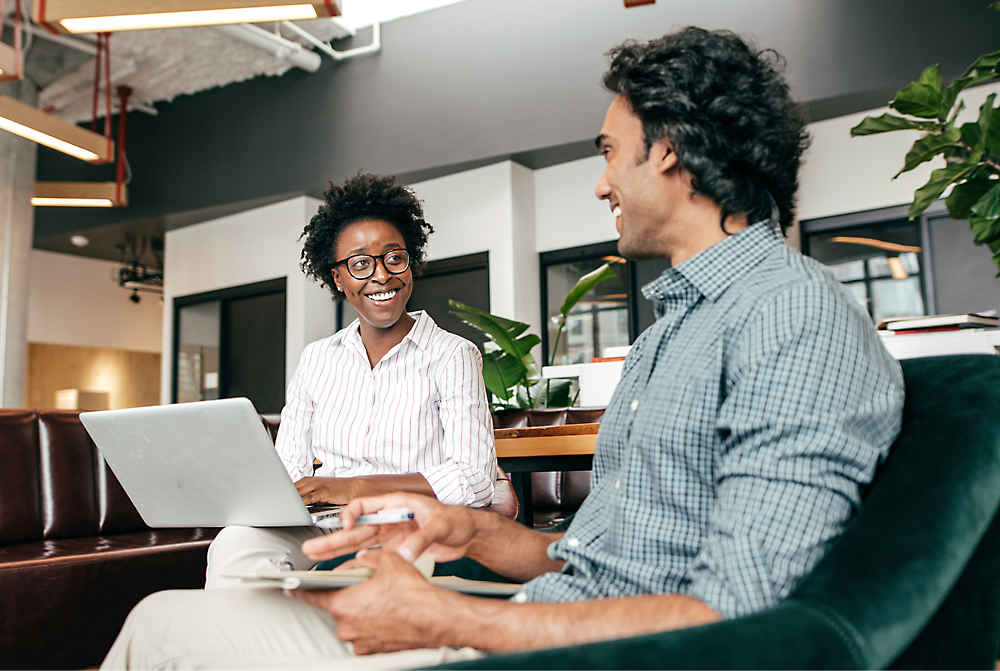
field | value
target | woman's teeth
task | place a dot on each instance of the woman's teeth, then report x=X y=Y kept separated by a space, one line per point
x=617 y=211
x=384 y=296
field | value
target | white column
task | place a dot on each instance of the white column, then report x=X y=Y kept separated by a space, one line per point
x=17 y=217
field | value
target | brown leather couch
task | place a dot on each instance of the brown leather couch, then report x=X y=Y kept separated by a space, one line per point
x=554 y=495
x=75 y=556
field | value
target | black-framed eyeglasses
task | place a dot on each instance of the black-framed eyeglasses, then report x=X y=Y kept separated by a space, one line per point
x=362 y=266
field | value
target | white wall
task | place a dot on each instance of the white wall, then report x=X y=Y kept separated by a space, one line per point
x=74 y=300
x=489 y=209
x=252 y=246
x=842 y=174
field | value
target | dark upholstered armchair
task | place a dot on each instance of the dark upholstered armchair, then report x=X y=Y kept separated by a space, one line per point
x=914 y=582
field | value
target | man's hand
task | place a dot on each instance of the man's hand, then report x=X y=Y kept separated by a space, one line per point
x=444 y=531
x=396 y=609
x=327 y=490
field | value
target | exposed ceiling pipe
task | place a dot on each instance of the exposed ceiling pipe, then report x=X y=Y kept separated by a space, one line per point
x=372 y=48
x=71 y=42
x=293 y=52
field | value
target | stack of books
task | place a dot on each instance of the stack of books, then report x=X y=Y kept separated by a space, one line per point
x=936 y=323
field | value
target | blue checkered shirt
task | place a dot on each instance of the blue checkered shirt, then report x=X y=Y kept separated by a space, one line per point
x=733 y=449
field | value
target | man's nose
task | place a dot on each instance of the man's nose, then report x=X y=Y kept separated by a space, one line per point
x=603 y=189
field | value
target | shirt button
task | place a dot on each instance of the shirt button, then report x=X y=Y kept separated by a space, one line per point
x=573 y=542
x=520 y=597
x=635 y=405
x=618 y=484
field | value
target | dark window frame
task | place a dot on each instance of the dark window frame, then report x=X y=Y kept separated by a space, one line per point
x=936 y=210
x=265 y=287
x=588 y=253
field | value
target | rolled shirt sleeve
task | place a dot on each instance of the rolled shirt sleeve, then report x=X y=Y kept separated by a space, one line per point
x=468 y=466
x=810 y=409
x=294 y=433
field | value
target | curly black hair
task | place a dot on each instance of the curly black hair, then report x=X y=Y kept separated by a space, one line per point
x=362 y=196
x=727 y=111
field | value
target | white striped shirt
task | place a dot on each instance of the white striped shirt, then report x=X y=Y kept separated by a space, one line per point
x=422 y=409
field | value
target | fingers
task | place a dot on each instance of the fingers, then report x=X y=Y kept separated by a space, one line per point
x=318 y=598
x=341 y=543
x=373 y=504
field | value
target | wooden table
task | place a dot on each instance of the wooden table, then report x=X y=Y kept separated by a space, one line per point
x=522 y=452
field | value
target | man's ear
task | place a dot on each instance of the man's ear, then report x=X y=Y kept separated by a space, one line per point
x=662 y=156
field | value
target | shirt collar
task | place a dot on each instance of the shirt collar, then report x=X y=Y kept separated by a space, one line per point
x=420 y=333
x=712 y=271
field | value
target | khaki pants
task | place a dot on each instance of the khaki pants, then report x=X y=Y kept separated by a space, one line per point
x=246 y=628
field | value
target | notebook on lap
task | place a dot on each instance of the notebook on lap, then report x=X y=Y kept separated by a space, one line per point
x=204 y=464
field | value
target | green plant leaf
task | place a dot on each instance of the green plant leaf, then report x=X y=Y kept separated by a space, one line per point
x=986 y=231
x=886 y=123
x=928 y=147
x=584 y=286
x=939 y=181
x=964 y=195
x=501 y=331
x=501 y=373
x=988 y=206
x=983 y=69
x=547 y=394
x=516 y=328
x=923 y=97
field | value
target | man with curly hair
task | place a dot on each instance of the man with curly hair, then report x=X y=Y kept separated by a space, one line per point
x=729 y=458
x=390 y=403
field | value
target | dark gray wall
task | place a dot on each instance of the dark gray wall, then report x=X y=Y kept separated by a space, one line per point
x=964 y=275
x=484 y=80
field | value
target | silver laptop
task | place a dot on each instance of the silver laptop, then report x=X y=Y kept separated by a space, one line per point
x=204 y=464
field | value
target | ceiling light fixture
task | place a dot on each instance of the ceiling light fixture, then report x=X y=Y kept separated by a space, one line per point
x=97 y=16
x=10 y=62
x=79 y=194
x=878 y=244
x=37 y=126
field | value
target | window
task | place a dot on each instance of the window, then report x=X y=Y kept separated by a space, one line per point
x=879 y=263
x=605 y=320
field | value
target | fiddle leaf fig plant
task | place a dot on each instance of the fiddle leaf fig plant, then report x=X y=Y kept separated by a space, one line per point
x=510 y=371
x=971 y=150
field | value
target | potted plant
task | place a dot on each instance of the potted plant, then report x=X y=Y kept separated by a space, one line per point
x=971 y=150
x=510 y=371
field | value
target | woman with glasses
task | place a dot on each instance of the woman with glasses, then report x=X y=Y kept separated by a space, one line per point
x=390 y=403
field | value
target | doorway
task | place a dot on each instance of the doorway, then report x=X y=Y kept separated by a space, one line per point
x=231 y=343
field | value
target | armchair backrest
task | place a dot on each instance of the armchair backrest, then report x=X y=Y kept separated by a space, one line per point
x=914 y=580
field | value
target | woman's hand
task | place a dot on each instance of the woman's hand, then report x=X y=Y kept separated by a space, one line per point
x=327 y=490
x=444 y=531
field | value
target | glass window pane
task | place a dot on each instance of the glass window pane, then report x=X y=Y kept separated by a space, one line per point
x=598 y=321
x=880 y=264
x=198 y=352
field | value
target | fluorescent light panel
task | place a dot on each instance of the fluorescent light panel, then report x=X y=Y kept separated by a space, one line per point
x=32 y=123
x=72 y=202
x=208 y=17
x=90 y=16
x=79 y=194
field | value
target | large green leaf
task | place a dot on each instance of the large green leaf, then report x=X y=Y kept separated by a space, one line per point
x=987 y=231
x=501 y=331
x=964 y=195
x=939 y=181
x=923 y=97
x=928 y=147
x=546 y=394
x=988 y=206
x=501 y=373
x=980 y=71
x=886 y=123
x=584 y=286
